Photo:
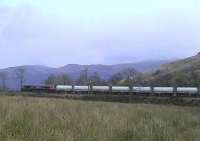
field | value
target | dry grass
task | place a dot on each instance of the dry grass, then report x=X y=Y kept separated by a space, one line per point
x=41 y=119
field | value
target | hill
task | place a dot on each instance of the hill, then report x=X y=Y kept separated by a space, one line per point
x=37 y=74
x=185 y=72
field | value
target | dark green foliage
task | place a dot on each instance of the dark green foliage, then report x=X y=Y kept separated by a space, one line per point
x=156 y=72
x=184 y=72
x=95 y=79
x=116 y=78
x=130 y=76
x=51 y=80
x=177 y=79
x=20 y=75
x=180 y=79
x=62 y=79
x=66 y=80
x=83 y=78
x=3 y=79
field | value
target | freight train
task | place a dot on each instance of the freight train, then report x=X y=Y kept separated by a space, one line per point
x=138 y=90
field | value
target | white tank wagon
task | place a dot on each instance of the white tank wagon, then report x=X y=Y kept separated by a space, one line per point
x=187 y=90
x=163 y=89
x=64 y=88
x=120 y=89
x=142 y=89
x=81 y=88
x=100 y=88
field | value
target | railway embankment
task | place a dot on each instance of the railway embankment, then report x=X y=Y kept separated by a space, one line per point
x=174 y=100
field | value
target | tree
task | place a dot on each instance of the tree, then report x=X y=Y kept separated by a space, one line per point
x=130 y=76
x=194 y=76
x=180 y=79
x=20 y=73
x=62 y=79
x=66 y=79
x=83 y=78
x=96 y=79
x=3 y=78
x=51 y=80
x=116 y=78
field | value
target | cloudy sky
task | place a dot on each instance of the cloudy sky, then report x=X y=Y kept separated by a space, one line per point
x=60 y=32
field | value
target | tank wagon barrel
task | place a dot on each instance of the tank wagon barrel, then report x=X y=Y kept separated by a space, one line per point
x=142 y=89
x=163 y=89
x=100 y=88
x=120 y=89
x=64 y=88
x=81 y=88
x=189 y=90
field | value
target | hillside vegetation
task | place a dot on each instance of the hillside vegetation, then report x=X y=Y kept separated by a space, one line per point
x=35 y=119
x=184 y=72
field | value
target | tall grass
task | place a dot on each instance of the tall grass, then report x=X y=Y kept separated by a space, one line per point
x=41 y=119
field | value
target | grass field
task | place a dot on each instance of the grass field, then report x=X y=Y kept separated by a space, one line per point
x=43 y=119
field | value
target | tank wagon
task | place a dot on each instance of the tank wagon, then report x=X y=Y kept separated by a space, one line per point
x=163 y=89
x=100 y=89
x=120 y=89
x=187 y=91
x=72 y=89
x=64 y=88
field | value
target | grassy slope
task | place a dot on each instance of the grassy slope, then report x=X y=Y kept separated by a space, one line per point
x=168 y=71
x=41 y=119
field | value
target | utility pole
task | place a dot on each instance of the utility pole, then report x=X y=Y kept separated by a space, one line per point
x=20 y=73
x=86 y=79
x=130 y=81
x=3 y=77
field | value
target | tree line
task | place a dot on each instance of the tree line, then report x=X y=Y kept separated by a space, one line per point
x=126 y=77
x=19 y=75
x=121 y=78
x=83 y=79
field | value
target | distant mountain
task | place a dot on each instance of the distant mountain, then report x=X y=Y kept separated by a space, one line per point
x=38 y=74
x=185 y=72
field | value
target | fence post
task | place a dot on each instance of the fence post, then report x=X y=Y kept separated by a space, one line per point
x=198 y=93
x=88 y=90
x=174 y=91
x=73 y=88
x=110 y=89
x=152 y=89
x=91 y=88
x=130 y=93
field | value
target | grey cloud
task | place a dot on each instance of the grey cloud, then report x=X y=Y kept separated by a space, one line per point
x=28 y=37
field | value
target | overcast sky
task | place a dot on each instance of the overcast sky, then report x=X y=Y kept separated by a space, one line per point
x=59 y=32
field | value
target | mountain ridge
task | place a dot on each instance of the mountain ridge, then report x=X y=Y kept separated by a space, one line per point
x=37 y=74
